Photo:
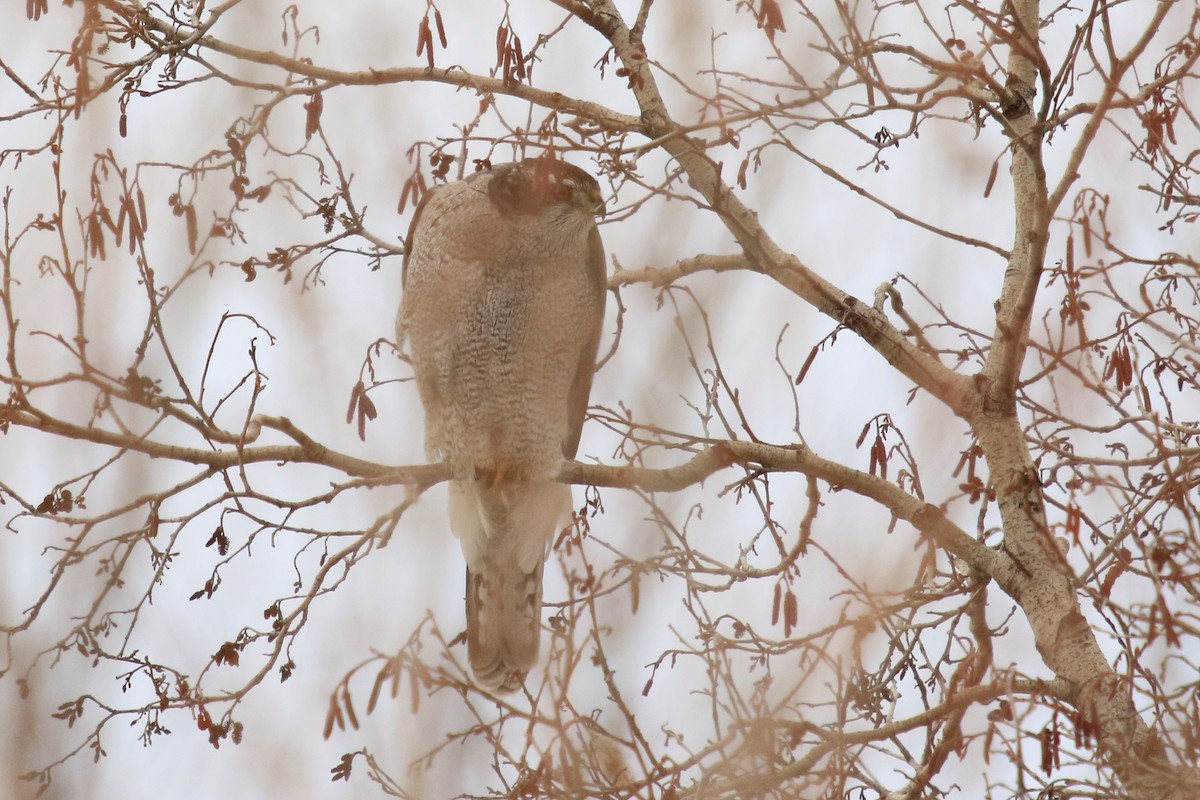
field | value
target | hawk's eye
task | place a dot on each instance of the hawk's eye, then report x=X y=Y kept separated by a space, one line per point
x=562 y=191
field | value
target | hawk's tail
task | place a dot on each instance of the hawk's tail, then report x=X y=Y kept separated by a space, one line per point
x=504 y=532
x=504 y=610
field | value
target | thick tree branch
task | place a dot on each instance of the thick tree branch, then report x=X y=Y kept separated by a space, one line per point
x=1045 y=588
x=753 y=456
x=760 y=249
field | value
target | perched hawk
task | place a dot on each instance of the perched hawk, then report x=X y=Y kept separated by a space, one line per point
x=504 y=287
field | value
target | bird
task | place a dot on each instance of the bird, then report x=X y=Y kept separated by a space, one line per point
x=504 y=286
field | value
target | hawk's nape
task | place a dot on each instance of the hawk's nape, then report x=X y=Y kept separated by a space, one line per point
x=504 y=288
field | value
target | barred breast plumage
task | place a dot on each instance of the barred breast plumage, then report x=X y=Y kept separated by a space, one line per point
x=504 y=288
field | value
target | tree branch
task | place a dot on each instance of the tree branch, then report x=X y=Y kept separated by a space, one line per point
x=760 y=249
x=663 y=276
x=594 y=112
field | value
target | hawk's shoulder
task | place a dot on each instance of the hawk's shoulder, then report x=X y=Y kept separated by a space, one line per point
x=436 y=205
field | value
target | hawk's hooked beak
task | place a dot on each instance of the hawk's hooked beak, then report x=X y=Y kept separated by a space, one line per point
x=599 y=208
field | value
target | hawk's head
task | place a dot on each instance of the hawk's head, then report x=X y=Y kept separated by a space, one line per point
x=529 y=186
